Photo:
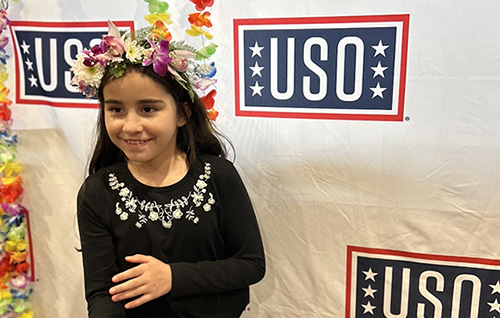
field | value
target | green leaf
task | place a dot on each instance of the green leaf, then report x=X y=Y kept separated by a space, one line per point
x=117 y=69
x=206 y=52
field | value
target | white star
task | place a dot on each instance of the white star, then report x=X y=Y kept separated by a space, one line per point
x=29 y=63
x=33 y=80
x=256 y=49
x=25 y=47
x=379 y=48
x=377 y=91
x=257 y=89
x=496 y=288
x=256 y=69
x=379 y=70
x=368 y=308
x=370 y=274
x=494 y=306
x=369 y=291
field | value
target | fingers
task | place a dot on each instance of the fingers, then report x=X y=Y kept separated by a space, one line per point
x=139 y=301
x=123 y=287
x=128 y=293
x=133 y=272
x=138 y=258
x=150 y=279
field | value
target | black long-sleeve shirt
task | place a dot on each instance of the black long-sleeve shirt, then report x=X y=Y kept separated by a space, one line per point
x=203 y=226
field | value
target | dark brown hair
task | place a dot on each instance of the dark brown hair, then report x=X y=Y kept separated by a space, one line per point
x=197 y=136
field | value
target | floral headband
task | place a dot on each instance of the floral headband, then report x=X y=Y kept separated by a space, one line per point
x=153 y=46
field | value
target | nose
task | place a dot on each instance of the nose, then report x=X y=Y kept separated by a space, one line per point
x=132 y=124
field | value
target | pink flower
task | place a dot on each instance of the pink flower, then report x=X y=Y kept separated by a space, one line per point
x=4 y=21
x=204 y=83
x=112 y=43
x=181 y=59
x=158 y=55
x=3 y=41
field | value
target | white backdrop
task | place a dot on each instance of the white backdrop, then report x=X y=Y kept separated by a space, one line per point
x=427 y=185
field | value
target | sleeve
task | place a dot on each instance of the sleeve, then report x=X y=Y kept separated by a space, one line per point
x=99 y=260
x=245 y=262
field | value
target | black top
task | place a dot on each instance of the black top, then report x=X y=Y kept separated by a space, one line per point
x=203 y=226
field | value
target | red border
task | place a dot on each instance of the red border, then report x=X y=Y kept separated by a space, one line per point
x=38 y=24
x=379 y=251
x=30 y=242
x=405 y=18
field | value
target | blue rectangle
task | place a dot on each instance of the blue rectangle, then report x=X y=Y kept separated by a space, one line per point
x=45 y=58
x=356 y=90
x=463 y=289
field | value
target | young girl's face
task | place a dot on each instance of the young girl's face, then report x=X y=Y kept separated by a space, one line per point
x=141 y=118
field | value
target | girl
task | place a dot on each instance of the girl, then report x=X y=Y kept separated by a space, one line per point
x=166 y=225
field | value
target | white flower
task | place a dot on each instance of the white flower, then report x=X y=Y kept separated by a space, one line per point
x=197 y=198
x=153 y=216
x=133 y=52
x=124 y=216
x=201 y=184
x=211 y=200
x=207 y=207
x=166 y=225
x=196 y=219
x=124 y=192
x=177 y=214
x=118 y=210
x=87 y=75
x=131 y=205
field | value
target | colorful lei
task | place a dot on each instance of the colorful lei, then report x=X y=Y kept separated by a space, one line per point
x=15 y=261
x=153 y=45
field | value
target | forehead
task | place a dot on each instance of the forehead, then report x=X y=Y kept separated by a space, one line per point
x=134 y=85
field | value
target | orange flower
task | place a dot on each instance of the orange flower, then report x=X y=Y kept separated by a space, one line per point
x=208 y=100
x=212 y=114
x=160 y=31
x=200 y=19
x=10 y=191
x=202 y=4
x=4 y=112
x=21 y=268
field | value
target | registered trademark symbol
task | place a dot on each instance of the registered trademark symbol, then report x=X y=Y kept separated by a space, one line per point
x=407 y=118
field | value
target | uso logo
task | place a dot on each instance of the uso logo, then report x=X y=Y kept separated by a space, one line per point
x=44 y=52
x=395 y=284
x=331 y=68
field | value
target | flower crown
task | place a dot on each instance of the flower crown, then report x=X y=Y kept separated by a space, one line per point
x=153 y=46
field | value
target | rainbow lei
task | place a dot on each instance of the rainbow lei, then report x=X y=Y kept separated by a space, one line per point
x=15 y=274
x=153 y=45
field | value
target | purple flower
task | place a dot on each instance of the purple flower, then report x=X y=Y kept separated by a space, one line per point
x=3 y=41
x=158 y=56
x=13 y=208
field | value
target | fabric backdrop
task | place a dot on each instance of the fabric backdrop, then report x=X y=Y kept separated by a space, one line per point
x=343 y=202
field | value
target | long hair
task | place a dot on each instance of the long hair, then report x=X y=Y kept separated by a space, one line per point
x=197 y=136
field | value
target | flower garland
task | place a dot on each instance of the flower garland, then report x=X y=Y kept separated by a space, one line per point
x=153 y=46
x=204 y=73
x=199 y=20
x=15 y=274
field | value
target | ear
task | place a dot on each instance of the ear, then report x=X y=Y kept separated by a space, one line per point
x=183 y=117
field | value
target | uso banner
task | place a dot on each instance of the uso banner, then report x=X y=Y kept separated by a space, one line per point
x=366 y=134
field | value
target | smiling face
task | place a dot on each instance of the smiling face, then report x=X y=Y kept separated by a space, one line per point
x=141 y=119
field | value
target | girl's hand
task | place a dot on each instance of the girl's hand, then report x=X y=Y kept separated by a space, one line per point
x=151 y=278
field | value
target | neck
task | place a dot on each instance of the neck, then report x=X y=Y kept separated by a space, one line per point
x=166 y=173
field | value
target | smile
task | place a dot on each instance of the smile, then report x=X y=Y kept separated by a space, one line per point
x=136 y=142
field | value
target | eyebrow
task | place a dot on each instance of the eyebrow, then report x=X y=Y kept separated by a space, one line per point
x=142 y=101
